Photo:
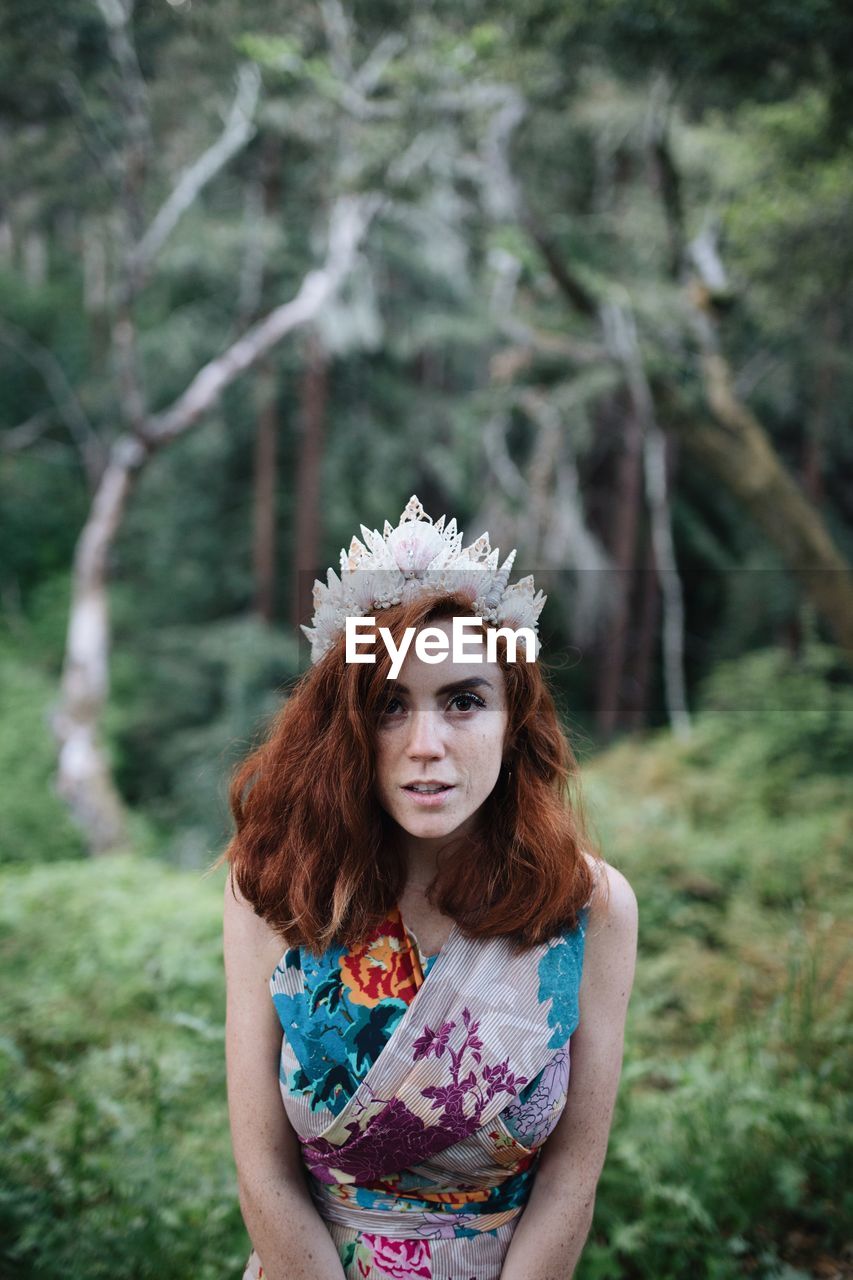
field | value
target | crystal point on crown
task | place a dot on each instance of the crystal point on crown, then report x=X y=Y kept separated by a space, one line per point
x=417 y=557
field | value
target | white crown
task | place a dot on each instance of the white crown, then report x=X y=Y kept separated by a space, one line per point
x=418 y=558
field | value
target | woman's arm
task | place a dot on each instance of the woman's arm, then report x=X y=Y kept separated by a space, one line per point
x=290 y=1237
x=553 y=1228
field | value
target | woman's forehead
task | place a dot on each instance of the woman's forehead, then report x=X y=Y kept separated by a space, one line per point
x=447 y=677
x=466 y=664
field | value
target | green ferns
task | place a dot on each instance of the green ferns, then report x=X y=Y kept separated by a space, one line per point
x=729 y=1150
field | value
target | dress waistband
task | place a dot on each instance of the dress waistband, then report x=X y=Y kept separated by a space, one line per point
x=402 y=1224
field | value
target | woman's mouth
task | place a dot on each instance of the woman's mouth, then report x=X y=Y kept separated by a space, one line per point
x=431 y=798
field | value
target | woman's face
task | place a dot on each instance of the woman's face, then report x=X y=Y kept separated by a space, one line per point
x=443 y=722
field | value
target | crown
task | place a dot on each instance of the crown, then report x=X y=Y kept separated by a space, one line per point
x=416 y=558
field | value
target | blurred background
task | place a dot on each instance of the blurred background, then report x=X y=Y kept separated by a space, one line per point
x=576 y=273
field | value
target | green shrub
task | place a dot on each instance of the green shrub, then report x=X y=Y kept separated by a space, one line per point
x=35 y=825
x=115 y=1157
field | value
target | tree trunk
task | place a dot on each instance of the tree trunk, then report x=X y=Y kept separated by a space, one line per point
x=627 y=498
x=84 y=779
x=738 y=451
x=647 y=630
x=812 y=464
x=815 y=430
x=741 y=455
x=311 y=448
x=266 y=486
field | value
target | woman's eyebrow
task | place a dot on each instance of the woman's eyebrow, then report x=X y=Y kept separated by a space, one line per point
x=475 y=682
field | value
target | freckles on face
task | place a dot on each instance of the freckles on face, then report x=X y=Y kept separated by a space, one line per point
x=442 y=723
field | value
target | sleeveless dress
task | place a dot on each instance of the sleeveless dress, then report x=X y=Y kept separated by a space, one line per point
x=422 y=1089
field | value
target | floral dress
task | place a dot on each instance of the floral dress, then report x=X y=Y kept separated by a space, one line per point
x=422 y=1089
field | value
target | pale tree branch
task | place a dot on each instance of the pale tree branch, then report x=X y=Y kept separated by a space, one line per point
x=566 y=542
x=237 y=131
x=117 y=15
x=349 y=219
x=132 y=96
x=416 y=156
x=499 y=460
x=738 y=449
x=566 y=539
x=541 y=466
x=254 y=255
x=353 y=86
x=529 y=341
x=704 y=252
x=351 y=99
x=505 y=200
x=502 y=193
x=84 y=777
x=339 y=37
x=664 y=174
x=503 y=197
x=372 y=69
x=16 y=439
x=125 y=353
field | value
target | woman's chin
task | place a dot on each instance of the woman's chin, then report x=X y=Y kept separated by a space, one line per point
x=435 y=826
x=429 y=824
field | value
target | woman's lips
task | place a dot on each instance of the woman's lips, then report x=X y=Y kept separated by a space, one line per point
x=426 y=799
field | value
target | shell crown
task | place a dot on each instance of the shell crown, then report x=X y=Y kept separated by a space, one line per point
x=418 y=557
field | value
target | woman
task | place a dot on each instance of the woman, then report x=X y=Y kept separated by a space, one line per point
x=399 y=1084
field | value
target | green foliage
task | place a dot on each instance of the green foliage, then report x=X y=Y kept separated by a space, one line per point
x=777 y=712
x=715 y=1156
x=34 y=823
x=115 y=1156
x=39 y=513
x=731 y=1134
x=279 y=53
x=710 y=48
x=188 y=702
x=731 y=1137
x=736 y=844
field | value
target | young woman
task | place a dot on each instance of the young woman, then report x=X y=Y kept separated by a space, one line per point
x=418 y=947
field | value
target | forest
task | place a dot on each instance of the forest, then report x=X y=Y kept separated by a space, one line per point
x=578 y=274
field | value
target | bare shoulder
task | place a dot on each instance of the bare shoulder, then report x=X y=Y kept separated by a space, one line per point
x=250 y=944
x=613 y=901
x=610 y=947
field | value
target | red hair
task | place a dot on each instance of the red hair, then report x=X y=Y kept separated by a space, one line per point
x=315 y=853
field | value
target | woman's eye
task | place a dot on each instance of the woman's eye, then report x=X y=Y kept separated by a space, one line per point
x=467 y=697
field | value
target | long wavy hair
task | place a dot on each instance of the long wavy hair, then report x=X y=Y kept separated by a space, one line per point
x=318 y=857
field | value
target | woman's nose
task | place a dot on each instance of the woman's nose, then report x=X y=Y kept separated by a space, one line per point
x=425 y=736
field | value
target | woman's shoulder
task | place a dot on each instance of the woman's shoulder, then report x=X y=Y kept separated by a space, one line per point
x=613 y=901
x=610 y=953
x=610 y=948
x=249 y=941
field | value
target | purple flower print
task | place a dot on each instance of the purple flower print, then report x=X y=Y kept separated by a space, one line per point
x=432 y=1041
x=500 y=1079
x=395 y=1138
x=475 y=1044
x=450 y=1096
